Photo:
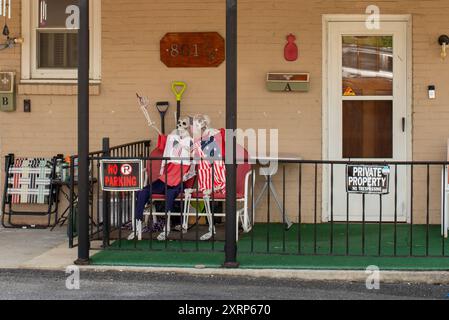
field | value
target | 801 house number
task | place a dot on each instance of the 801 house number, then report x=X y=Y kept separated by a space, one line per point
x=186 y=50
x=192 y=50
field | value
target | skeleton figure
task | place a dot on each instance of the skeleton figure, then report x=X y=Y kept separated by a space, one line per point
x=179 y=145
x=173 y=174
x=211 y=173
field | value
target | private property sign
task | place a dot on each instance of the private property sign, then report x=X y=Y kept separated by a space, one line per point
x=121 y=175
x=366 y=179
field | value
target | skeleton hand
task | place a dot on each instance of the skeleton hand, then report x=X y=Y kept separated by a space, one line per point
x=144 y=103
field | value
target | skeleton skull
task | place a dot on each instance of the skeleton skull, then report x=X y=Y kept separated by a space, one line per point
x=182 y=127
x=183 y=124
x=200 y=124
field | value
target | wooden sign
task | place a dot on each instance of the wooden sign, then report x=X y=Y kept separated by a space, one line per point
x=193 y=50
x=288 y=82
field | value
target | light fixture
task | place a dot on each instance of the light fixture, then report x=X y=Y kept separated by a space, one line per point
x=443 y=40
x=10 y=43
x=5 y=11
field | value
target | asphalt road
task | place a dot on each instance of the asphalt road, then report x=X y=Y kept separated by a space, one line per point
x=38 y=285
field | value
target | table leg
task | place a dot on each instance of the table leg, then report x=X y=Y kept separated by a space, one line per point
x=288 y=223
x=259 y=198
x=61 y=220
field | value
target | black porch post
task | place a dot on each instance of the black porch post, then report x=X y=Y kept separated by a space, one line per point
x=83 y=134
x=231 y=126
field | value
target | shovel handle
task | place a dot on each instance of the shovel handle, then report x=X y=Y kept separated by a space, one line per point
x=178 y=88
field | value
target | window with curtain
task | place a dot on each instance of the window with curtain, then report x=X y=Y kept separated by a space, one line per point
x=57 y=45
x=52 y=52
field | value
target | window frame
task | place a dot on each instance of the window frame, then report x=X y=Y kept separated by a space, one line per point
x=30 y=27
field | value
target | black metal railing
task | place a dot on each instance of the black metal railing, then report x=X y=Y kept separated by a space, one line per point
x=407 y=221
x=306 y=211
x=97 y=197
x=200 y=215
x=188 y=234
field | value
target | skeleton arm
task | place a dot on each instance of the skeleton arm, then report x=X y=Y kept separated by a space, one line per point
x=144 y=103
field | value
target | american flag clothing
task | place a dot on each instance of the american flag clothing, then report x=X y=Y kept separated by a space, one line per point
x=177 y=147
x=211 y=167
x=174 y=175
x=212 y=173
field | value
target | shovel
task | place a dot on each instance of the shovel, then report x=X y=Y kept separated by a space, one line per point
x=162 y=107
x=178 y=89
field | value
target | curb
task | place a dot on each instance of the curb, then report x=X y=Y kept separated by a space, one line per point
x=390 y=277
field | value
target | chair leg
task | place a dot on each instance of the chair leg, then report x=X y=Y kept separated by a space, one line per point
x=243 y=220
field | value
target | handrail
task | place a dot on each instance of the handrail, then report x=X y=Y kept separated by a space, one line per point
x=285 y=161
x=100 y=152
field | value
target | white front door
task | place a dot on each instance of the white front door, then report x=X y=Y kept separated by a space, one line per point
x=367 y=115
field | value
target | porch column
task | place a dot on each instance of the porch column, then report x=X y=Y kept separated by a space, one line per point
x=83 y=134
x=231 y=126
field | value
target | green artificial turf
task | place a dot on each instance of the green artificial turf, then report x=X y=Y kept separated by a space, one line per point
x=378 y=240
x=253 y=249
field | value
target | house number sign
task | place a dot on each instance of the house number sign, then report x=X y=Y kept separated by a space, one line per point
x=193 y=50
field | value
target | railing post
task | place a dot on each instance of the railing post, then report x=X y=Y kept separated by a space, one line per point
x=72 y=204
x=9 y=159
x=147 y=148
x=83 y=134
x=231 y=126
x=106 y=200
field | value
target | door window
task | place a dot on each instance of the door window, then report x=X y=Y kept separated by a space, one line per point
x=367 y=75
x=368 y=65
x=368 y=129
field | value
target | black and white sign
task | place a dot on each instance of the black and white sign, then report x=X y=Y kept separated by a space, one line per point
x=365 y=179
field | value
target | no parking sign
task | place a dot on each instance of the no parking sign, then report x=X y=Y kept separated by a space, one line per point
x=121 y=175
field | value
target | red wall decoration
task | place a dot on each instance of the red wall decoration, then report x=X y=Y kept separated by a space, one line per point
x=291 y=51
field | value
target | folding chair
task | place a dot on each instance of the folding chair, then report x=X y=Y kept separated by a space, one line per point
x=245 y=178
x=28 y=181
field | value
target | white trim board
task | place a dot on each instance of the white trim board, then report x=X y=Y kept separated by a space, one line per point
x=28 y=59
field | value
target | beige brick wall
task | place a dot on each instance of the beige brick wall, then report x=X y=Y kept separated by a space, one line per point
x=131 y=33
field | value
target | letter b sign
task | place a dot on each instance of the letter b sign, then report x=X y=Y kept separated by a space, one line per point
x=7 y=102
